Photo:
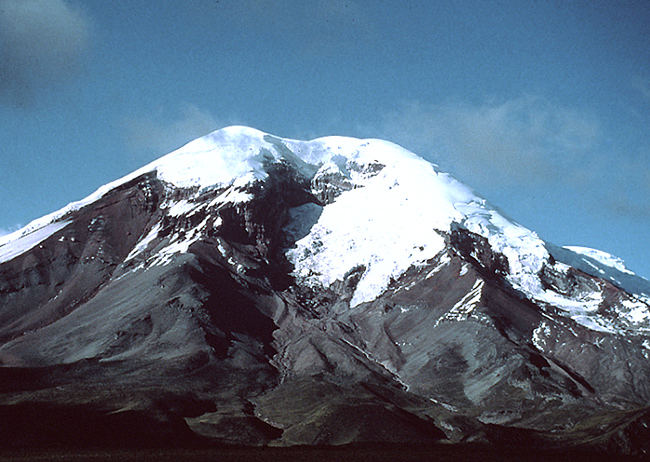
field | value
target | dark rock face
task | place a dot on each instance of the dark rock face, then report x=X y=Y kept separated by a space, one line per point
x=477 y=250
x=49 y=282
x=103 y=342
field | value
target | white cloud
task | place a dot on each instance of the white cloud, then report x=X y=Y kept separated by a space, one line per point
x=159 y=134
x=521 y=140
x=42 y=43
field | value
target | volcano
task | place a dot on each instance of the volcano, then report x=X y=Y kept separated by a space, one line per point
x=251 y=290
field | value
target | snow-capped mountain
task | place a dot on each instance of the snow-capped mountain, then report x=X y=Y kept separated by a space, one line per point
x=251 y=289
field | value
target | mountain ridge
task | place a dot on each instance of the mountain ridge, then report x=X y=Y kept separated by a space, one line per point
x=325 y=292
x=241 y=153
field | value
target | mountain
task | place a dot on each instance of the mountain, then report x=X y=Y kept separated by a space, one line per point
x=253 y=290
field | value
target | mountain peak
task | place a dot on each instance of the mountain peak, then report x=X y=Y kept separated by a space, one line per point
x=260 y=275
x=375 y=204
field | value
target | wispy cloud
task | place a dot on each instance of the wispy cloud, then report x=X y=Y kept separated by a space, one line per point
x=160 y=133
x=42 y=43
x=521 y=140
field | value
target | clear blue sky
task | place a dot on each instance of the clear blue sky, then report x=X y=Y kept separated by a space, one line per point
x=543 y=107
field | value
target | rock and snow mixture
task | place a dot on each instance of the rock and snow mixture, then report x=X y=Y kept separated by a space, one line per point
x=389 y=219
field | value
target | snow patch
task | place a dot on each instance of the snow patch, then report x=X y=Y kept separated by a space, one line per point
x=601 y=257
x=182 y=207
x=463 y=309
x=232 y=195
x=447 y=406
x=634 y=311
x=589 y=302
x=24 y=241
x=144 y=242
x=522 y=247
x=540 y=334
x=596 y=323
x=444 y=260
x=386 y=226
x=178 y=243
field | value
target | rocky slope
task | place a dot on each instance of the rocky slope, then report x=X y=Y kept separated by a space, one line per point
x=248 y=289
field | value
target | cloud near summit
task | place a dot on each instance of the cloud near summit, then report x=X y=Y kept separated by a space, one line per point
x=520 y=140
x=160 y=132
x=42 y=43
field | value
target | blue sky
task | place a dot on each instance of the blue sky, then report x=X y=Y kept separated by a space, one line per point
x=543 y=107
